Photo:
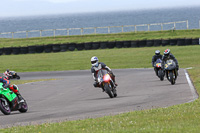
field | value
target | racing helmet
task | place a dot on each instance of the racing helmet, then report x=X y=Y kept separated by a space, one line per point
x=94 y=61
x=157 y=52
x=167 y=52
x=7 y=70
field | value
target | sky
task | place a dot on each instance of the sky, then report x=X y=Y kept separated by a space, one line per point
x=15 y=8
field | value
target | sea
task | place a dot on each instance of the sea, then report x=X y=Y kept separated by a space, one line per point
x=99 y=19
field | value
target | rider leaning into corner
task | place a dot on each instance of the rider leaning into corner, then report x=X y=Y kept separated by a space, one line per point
x=168 y=55
x=7 y=73
x=14 y=88
x=96 y=66
x=154 y=58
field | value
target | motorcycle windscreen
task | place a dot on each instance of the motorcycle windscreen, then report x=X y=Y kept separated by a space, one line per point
x=170 y=65
x=101 y=73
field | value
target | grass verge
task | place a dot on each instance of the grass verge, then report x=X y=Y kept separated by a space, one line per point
x=179 y=118
x=195 y=33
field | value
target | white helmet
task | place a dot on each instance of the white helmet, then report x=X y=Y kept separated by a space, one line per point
x=94 y=61
x=157 y=52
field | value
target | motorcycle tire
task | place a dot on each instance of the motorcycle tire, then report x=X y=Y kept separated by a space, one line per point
x=4 y=110
x=160 y=75
x=24 y=107
x=115 y=92
x=171 y=76
x=108 y=90
x=18 y=77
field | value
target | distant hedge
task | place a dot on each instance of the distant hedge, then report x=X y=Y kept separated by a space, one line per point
x=97 y=45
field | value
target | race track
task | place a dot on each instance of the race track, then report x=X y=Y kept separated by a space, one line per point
x=72 y=95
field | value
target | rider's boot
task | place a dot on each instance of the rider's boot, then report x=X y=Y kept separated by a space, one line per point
x=20 y=98
x=115 y=82
x=102 y=88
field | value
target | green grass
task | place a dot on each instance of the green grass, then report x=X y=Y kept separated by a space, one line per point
x=100 y=37
x=80 y=60
x=179 y=118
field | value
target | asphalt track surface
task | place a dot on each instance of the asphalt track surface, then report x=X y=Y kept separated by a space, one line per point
x=72 y=95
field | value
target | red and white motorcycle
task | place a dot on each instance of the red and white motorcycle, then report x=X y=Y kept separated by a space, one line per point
x=107 y=83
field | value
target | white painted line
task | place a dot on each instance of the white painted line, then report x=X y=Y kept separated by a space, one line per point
x=193 y=90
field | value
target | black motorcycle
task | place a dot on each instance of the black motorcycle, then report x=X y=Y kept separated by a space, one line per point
x=171 y=71
x=160 y=72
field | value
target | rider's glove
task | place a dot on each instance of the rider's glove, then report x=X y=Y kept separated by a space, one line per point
x=99 y=80
x=177 y=67
x=111 y=73
x=153 y=64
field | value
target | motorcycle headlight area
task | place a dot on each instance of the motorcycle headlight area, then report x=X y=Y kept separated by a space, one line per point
x=106 y=77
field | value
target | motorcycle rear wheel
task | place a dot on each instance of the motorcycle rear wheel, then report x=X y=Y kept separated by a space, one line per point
x=18 y=77
x=115 y=94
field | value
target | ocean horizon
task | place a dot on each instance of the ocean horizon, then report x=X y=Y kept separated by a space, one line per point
x=102 y=19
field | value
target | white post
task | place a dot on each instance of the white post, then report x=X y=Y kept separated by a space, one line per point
x=95 y=30
x=40 y=33
x=135 y=28
x=187 y=24
x=81 y=31
x=108 y=29
x=174 y=25
x=26 y=34
x=54 y=32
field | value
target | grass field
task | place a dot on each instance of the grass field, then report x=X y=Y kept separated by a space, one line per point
x=184 y=118
x=100 y=37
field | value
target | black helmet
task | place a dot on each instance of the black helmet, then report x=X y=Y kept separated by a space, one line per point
x=167 y=52
x=157 y=52
x=7 y=70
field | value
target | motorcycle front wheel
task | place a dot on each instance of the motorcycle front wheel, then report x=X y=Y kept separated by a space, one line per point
x=171 y=76
x=24 y=107
x=108 y=90
x=4 y=107
x=160 y=74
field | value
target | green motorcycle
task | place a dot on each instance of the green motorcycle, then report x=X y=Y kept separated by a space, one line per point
x=10 y=102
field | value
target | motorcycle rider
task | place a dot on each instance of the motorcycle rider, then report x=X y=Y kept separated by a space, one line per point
x=14 y=88
x=154 y=58
x=168 y=55
x=96 y=66
x=7 y=73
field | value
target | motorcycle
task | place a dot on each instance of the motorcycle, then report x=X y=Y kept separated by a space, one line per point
x=160 y=71
x=12 y=75
x=9 y=101
x=107 y=83
x=171 y=71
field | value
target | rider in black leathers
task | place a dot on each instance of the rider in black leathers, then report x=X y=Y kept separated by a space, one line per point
x=168 y=55
x=154 y=58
